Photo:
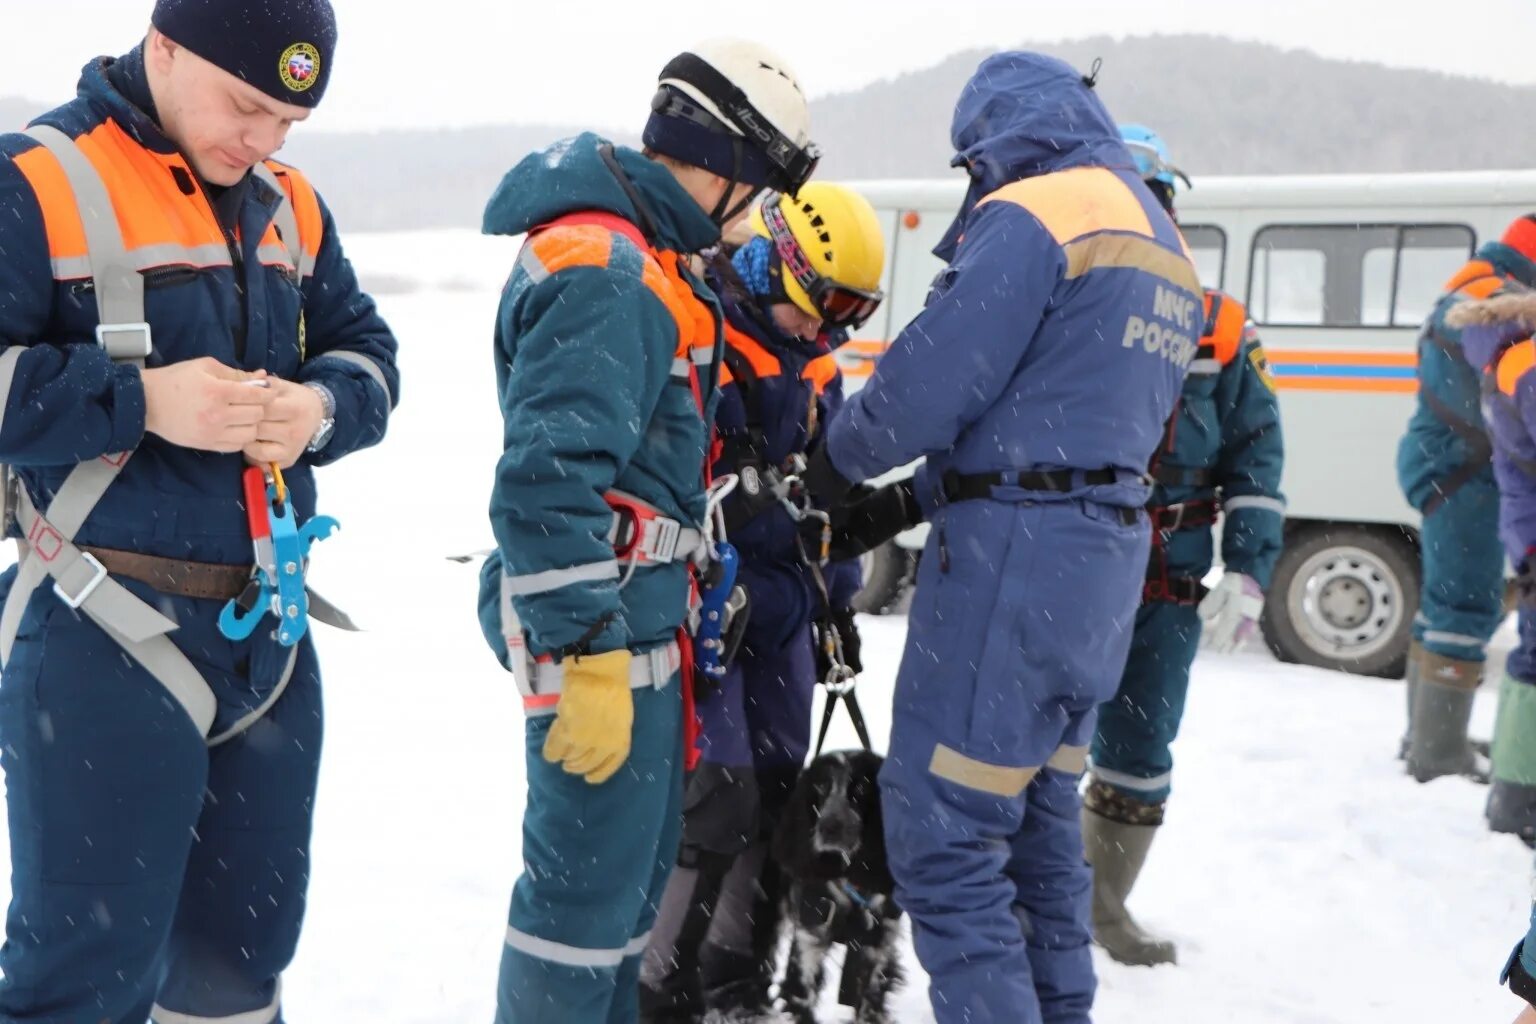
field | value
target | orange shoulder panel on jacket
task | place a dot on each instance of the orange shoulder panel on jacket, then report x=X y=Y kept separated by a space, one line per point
x=1515 y=363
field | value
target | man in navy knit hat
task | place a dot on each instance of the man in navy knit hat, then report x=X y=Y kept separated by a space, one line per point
x=160 y=776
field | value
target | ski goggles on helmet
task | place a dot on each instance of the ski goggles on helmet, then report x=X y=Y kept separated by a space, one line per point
x=840 y=305
x=782 y=164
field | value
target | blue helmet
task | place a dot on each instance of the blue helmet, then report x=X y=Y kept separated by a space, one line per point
x=1151 y=154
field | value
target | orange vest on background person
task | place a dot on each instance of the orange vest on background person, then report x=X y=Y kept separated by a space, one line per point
x=1225 y=321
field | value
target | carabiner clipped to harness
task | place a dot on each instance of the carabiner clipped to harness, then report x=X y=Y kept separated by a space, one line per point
x=723 y=603
x=281 y=551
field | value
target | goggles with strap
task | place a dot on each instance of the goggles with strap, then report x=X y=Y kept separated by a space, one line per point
x=840 y=305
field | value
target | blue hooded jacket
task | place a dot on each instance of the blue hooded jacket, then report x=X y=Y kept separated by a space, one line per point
x=1060 y=333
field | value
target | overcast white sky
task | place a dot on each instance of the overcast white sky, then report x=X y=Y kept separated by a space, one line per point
x=457 y=62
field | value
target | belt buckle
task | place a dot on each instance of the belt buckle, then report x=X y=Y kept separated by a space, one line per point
x=660 y=660
x=661 y=536
x=86 y=591
x=123 y=342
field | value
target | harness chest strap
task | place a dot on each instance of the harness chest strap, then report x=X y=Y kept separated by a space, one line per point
x=47 y=546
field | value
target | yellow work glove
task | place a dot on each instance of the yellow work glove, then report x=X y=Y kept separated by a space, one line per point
x=595 y=717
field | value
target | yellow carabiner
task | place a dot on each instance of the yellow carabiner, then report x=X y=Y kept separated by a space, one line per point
x=282 y=486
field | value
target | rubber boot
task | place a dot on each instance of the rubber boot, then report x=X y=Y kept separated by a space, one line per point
x=1512 y=798
x=1411 y=686
x=1442 y=707
x=1116 y=851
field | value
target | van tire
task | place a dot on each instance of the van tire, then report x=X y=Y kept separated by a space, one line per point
x=1344 y=597
x=889 y=572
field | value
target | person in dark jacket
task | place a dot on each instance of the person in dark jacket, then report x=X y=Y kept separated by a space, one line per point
x=606 y=347
x=1445 y=466
x=1222 y=452
x=161 y=777
x=1496 y=340
x=810 y=273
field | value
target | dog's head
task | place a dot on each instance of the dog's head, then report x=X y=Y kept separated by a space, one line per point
x=832 y=827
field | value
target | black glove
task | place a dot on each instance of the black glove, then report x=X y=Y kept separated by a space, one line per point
x=841 y=622
x=828 y=487
x=873 y=518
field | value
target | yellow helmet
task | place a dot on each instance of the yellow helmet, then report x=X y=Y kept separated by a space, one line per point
x=831 y=251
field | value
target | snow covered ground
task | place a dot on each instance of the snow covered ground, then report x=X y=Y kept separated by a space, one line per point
x=1307 y=880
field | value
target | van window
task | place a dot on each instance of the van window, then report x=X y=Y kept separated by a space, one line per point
x=1208 y=245
x=1430 y=257
x=1345 y=275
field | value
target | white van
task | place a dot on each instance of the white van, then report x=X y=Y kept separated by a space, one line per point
x=1338 y=271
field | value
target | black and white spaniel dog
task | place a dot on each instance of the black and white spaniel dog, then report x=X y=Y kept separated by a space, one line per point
x=830 y=847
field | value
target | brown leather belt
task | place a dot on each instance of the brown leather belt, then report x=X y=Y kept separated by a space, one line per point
x=175 y=576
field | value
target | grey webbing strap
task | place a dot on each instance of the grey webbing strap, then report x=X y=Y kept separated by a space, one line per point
x=367 y=365
x=119 y=285
x=255 y=713
x=8 y=361
x=163 y=659
x=324 y=611
x=285 y=220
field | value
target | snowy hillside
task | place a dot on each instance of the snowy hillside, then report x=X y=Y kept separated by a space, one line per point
x=1307 y=880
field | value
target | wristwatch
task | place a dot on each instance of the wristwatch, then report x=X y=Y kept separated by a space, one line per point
x=327 y=416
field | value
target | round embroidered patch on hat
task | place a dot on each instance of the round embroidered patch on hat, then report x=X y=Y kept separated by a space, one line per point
x=300 y=67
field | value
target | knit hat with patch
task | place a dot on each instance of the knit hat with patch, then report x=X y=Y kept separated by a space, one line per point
x=285 y=48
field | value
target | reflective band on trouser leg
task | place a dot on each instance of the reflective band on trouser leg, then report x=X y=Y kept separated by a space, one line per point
x=1435 y=636
x=573 y=956
x=1133 y=782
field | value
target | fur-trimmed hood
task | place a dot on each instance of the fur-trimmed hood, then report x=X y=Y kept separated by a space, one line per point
x=1490 y=325
x=1508 y=306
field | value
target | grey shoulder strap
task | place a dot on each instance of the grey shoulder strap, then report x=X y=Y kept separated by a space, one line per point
x=123 y=331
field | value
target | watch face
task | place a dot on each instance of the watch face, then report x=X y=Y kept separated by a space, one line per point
x=327 y=427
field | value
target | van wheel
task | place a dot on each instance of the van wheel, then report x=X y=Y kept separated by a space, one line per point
x=1344 y=597
x=889 y=571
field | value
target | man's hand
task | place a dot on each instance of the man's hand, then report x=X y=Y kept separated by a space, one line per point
x=205 y=405
x=291 y=421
